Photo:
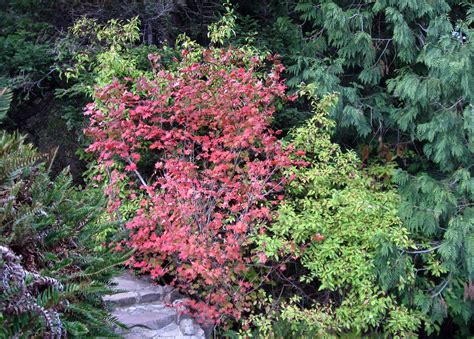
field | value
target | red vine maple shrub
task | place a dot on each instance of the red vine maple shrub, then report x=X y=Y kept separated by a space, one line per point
x=217 y=175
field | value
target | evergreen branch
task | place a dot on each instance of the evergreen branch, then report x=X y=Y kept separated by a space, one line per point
x=424 y=251
x=443 y=286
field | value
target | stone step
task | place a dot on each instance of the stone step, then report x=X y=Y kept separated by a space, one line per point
x=169 y=331
x=141 y=306
x=147 y=295
x=155 y=321
x=148 y=316
x=134 y=290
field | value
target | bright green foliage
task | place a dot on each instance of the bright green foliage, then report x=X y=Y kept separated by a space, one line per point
x=287 y=319
x=53 y=225
x=332 y=220
x=109 y=52
x=223 y=29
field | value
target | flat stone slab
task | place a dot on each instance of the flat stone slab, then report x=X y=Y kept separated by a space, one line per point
x=133 y=298
x=130 y=282
x=151 y=295
x=122 y=299
x=170 y=331
x=150 y=318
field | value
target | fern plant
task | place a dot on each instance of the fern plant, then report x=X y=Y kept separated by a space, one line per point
x=51 y=226
x=25 y=297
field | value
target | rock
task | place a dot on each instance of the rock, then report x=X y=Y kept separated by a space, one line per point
x=151 y=295
x=170 y=331
x=130 y=282
x=122 y=299
x=171 y=294
x=148 y=318
x=187 y=327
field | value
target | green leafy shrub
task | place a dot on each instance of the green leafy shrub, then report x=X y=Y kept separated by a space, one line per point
x=332 y=222
x=94 y=54
x=51 y=226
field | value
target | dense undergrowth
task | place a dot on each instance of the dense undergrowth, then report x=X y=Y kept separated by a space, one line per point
x=302 y=170
x=53 y=270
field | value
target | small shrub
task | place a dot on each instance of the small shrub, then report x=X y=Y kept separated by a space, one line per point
x=330 y=223
x=195 y=142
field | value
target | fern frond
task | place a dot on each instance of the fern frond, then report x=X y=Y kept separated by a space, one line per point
x=6 y=97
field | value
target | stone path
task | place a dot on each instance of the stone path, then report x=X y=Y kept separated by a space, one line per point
x=142 y=307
